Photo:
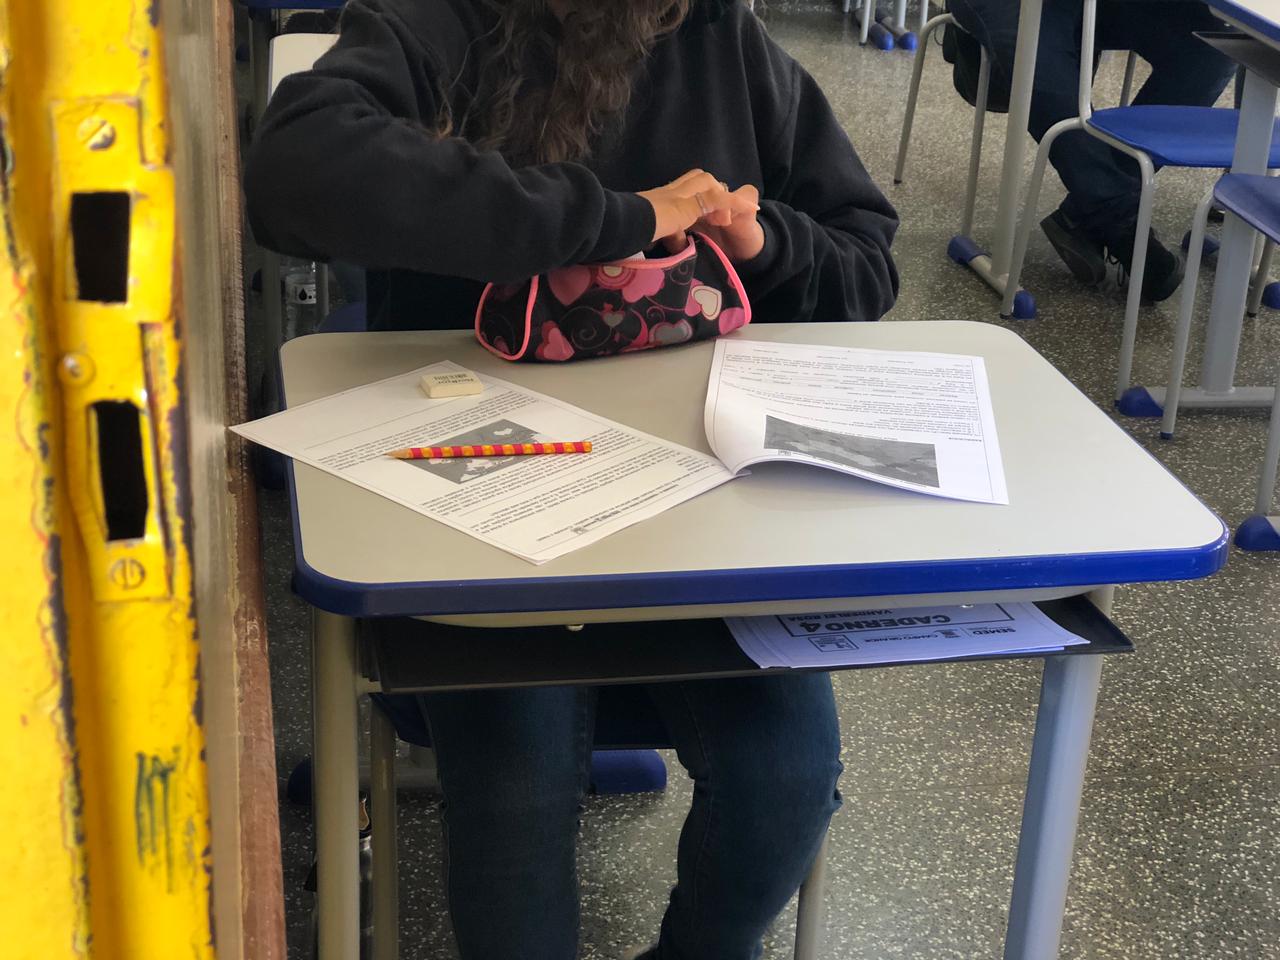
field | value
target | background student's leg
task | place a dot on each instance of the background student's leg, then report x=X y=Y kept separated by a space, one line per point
x=764 y=756
x=1102 y=184
x=1184 y=69
x=513 y=766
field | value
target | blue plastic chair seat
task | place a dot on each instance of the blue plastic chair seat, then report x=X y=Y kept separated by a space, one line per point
x=1179 y=136
x=1254 y=198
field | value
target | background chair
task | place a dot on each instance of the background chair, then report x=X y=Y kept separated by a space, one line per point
x=961 y=248
x=979 y=118
x=1256 y=200
x=1172 y=136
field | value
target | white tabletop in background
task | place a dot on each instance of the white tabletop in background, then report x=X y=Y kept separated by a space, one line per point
x=1258 y=17
x=1078 y=485
x=295 y=52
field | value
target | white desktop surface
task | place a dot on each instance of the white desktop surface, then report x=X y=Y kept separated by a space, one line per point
x=295 y=52
x=1078 y=485
x=1258 y=17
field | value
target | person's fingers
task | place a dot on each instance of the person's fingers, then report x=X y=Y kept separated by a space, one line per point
x=745 y=200
x=686 y=177
x=675 y=242
x=719 y=218
x=701 y=182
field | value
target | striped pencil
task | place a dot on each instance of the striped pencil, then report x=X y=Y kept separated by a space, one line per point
x=490 y=450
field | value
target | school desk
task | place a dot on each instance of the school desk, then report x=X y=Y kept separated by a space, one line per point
x=1089 y=509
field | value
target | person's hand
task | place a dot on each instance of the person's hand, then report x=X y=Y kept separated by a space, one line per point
x=741 y=239
x=696 y=197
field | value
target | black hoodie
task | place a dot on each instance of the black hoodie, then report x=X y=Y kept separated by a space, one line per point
x=345 y=166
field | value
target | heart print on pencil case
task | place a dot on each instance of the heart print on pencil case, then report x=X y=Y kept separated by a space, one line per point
x=597 y=310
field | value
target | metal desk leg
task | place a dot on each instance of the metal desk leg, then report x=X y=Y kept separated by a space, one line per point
x=382 y=803
x=1261 y=531
x=994 y=268
x=1064 y=722
x=1024 y=71
x=1235 y=255
x=335 y=790
x=809 y=908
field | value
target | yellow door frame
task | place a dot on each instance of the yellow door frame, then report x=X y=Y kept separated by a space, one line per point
x=103 y=743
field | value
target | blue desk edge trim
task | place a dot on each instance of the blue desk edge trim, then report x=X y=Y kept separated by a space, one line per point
x=687 y=588
x=1261 y=24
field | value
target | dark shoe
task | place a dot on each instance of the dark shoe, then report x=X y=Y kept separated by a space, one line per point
x=1164 y=267
x=1082 y=253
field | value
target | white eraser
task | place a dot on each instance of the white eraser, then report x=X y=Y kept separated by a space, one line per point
x=463 y=383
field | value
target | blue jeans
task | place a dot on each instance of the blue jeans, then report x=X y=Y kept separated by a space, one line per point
x=763 y=753
x=1103 y=185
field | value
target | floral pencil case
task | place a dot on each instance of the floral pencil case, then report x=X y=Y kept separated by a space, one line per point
x=597 y=310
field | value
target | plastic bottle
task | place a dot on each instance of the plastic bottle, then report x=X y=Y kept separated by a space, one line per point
x=298 y=278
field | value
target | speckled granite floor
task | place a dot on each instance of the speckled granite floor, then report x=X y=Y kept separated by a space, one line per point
x=1177 y=854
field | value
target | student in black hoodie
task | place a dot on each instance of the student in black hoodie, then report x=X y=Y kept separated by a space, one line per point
x=445 y=143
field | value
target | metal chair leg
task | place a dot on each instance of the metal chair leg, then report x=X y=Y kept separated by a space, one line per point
x=1126 y=89
x=913 y=92
x=382 y=803
x=809 y=909
x=1261 y=277
x=272 y=305
x=1270 y=459
x=1182 y=335
x=322 y=292
x=1137 y=271
x=1029 y=210
x=975 y=147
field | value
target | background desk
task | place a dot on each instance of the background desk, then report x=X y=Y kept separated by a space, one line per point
x=1089 y=508
x=1261 y=20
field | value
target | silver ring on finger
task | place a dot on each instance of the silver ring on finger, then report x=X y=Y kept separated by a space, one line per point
x=702 y=204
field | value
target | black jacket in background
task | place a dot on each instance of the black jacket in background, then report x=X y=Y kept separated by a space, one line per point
x=344 y=166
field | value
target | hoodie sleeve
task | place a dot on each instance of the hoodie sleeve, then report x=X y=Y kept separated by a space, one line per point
x=346 y=165
x=827 y=227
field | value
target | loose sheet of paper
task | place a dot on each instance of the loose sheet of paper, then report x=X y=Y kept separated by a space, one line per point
x=919 y=421
x=898 y=636
x=538 y=507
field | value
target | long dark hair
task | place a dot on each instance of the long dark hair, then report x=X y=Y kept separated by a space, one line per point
x=533 y=115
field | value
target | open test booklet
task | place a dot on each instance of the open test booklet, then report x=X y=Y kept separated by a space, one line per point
x=919 y=421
